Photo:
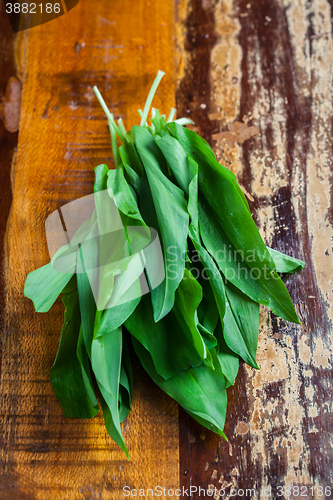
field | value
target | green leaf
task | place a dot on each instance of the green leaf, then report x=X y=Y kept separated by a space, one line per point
x=174 y=342
x=106 y=355
x=202 y=419
x=177 y=160
x=125 y=395
x=44 y=285
x=127 y=205
x=83 y=358
x=229 y=361
x=100 y=177
x=211 y=271
x=200 y=391
x=284 y=263
x=89 y=249
x=126 y=382
x=187 y=300
x=226 y=225
x=75 y=396
x=200 y=151
x=241 y=325
x=185 y=170
x=171 y=217
x=115 y=316
x=251 y=273
x=131 y=160
x=208 y=337
x=210 y=313
x=71 y=285
x=119 y=288
x=112 y=423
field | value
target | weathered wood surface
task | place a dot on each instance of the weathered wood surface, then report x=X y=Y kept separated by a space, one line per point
x=63 y=135
x=256 y=76
x=268 y=64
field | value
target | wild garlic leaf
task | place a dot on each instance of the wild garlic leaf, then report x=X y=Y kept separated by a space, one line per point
x=211 y=271
x=187 y=300
x=171 y=217
x=127 y=205
x=125 y=395
x=211 y=314
x=71 y=285
x=126 y=381
x=208 y=337
x=66 y=375
x=191 y=330
x=228 y=359
x=185 y=170
x=115 y=316
x=224 y=215
x=245 y=268
x=44 y=285
x=106 y=356
x=200 y=151
x=88 y=252
x=131 y=160
x=174 y=342
x=100 y=177
x=209 y=422
x=241 y=325
x=284 y=263
x=112 y=420
x=82 y=355
x=201 y=391
x=177 y=160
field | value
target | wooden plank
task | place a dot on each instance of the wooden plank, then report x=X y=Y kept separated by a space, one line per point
x=63 y=135
x=252 y=62
x=8 y=138
x=270 y=67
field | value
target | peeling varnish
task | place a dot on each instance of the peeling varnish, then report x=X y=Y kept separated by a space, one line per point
x=237 y=132
x=276 y=355
x=182 y=11
x=214 y=474
x=225 y=63
x=242 y=428
x=10 y=105
x=277 y=364
x=319 y=158
x=225 y=81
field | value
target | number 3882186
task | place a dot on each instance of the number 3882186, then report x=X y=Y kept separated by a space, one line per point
x=33 y=8
x=299 y=491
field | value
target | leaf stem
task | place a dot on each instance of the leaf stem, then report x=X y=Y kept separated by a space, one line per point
x=102 y=103
x=172 y=114
x=122 y=126
x=108 y=113
x=184 y=121
x=115 y=150
x=150 y=96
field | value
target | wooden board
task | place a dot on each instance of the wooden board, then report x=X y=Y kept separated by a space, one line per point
x=256 y=77
x=262 y=71
x=63 y=136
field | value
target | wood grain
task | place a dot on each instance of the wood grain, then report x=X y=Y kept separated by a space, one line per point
x=270 y=66
x=8 y=140
x=63 y=136
x=242 y=66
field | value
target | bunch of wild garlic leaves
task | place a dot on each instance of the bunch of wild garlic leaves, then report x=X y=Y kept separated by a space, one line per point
x=189 y=331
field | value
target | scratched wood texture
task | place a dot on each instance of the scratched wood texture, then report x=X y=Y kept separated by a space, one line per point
x=63 y=135
x=256 y=77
